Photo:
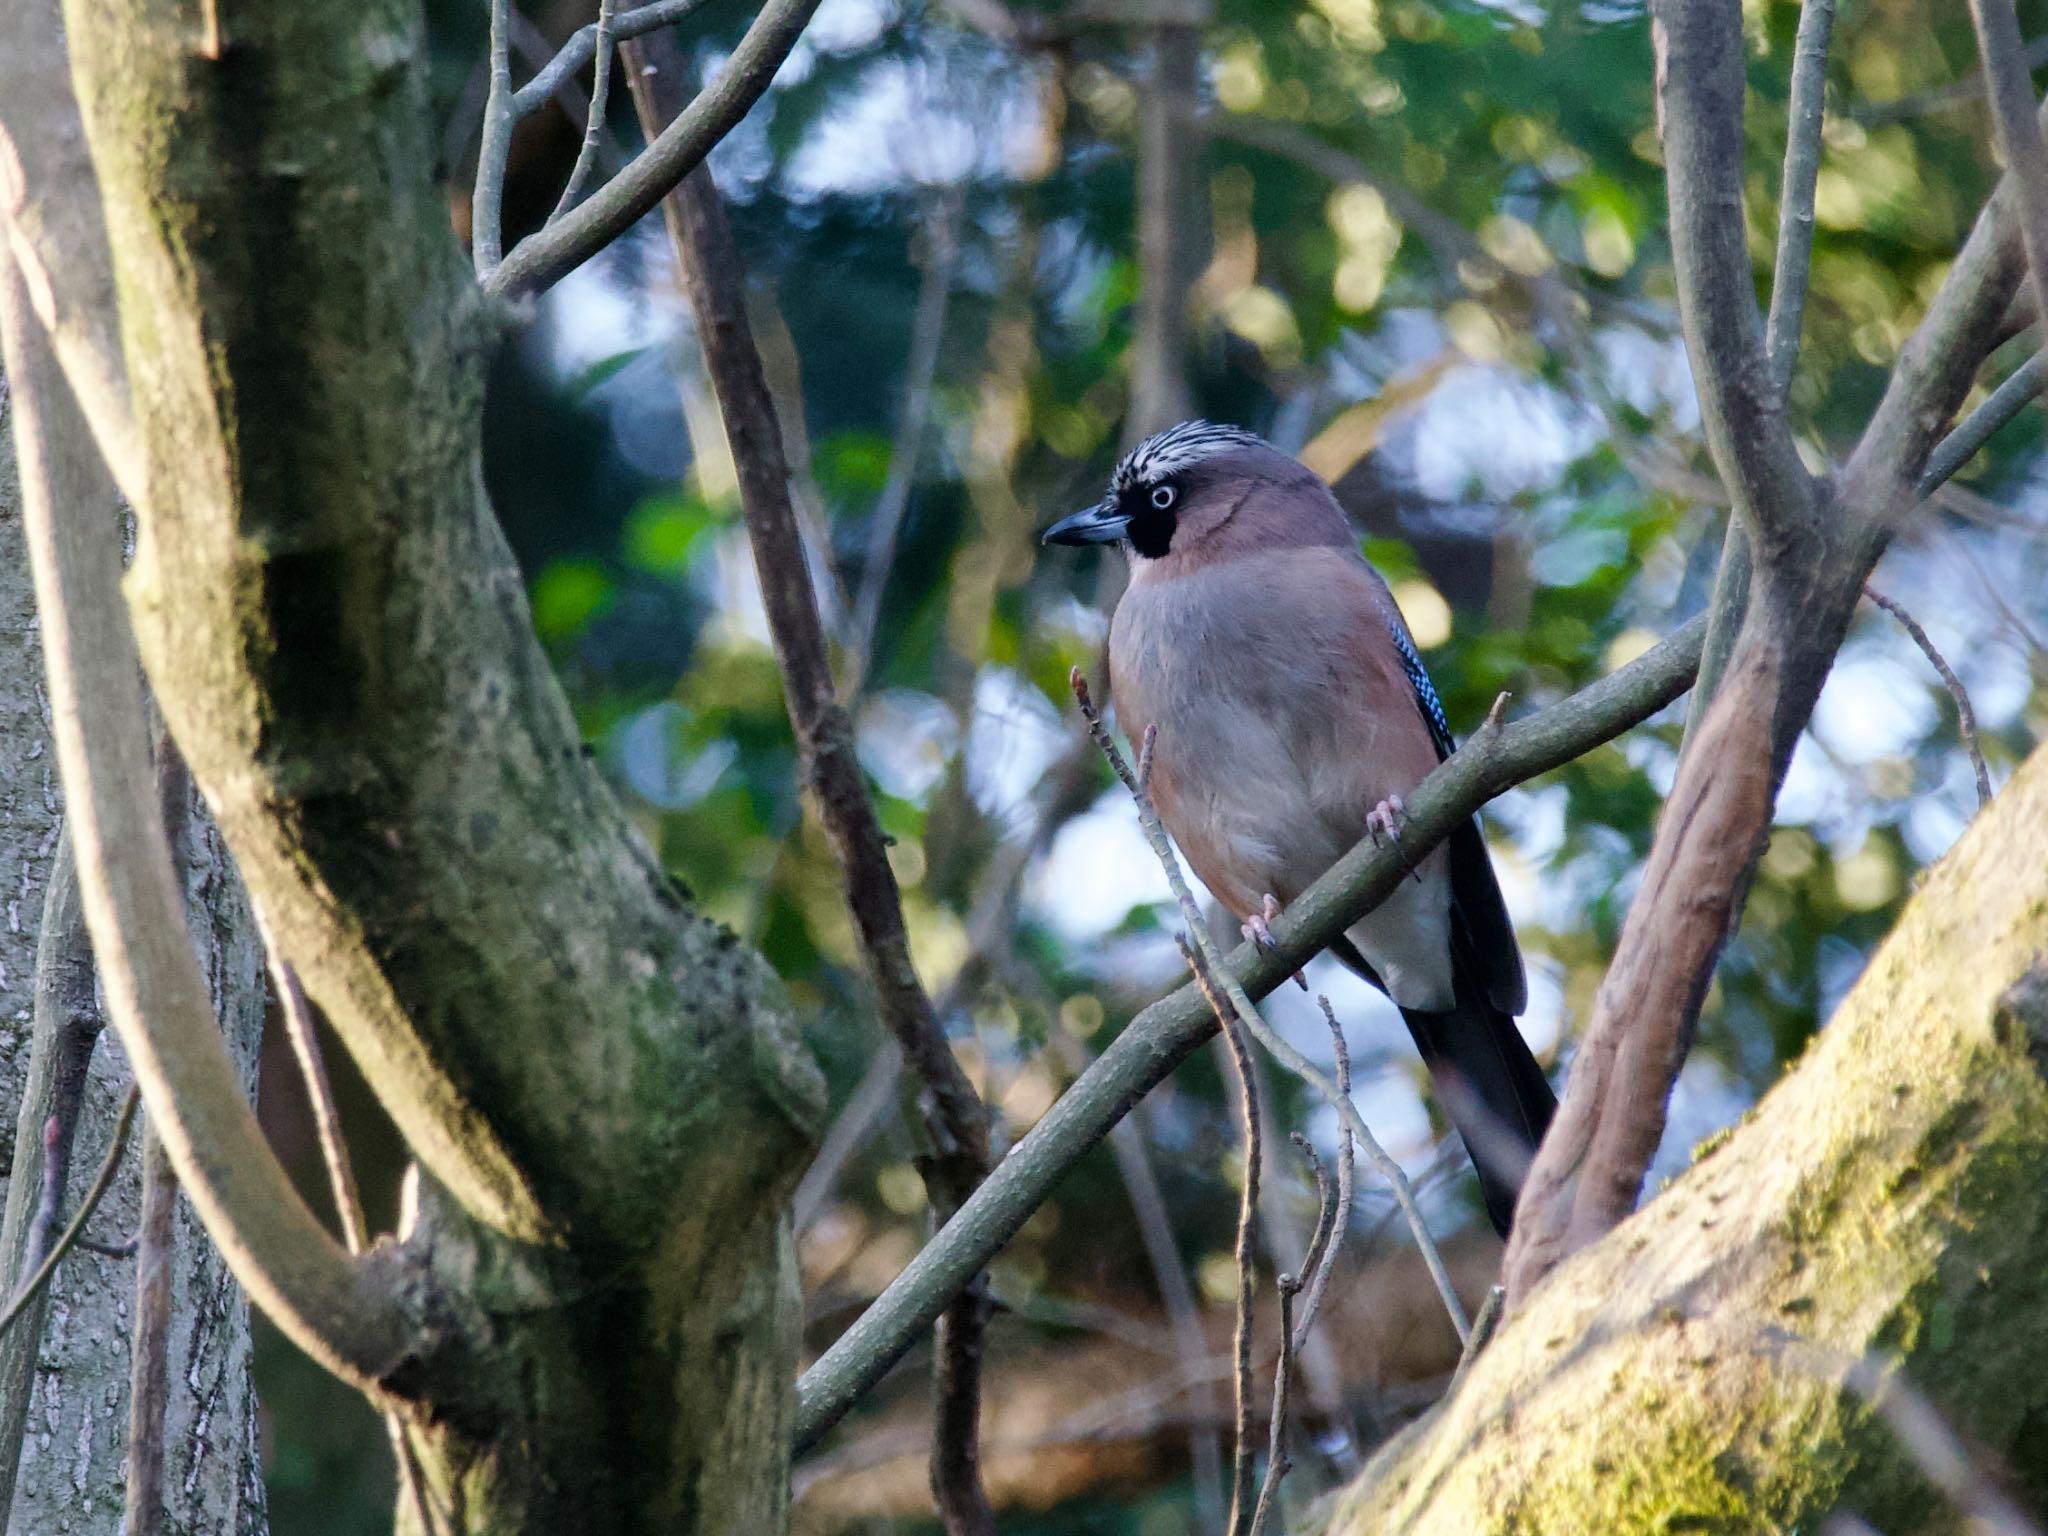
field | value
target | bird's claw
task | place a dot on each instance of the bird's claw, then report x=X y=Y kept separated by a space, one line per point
x=1255 y=928
x=1384 y=820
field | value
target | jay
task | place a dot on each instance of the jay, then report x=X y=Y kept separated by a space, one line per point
x=1292 y=715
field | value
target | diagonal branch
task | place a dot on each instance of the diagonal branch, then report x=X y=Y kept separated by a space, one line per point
x=1161 y=1037
x=1700 y=89
x=543 y=259
x=953 y=1112
x=1231 y=1003
x=2019 y=138
x=582 y=48
x=334 y=1310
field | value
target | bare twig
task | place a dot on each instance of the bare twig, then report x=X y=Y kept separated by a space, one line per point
x=1966 y=717
x=1795 y=196
x=1222 y=980
x=494 y=149
x=1483 y=1327
x=68 y=1238
x=1975 y=430
x=2019 y=139
x=1243 y=1452
x=954 y=1115
x=1176 y=1294
x=149 y=1382
x=542 y=259
x=927 y=329
x=1965 y=92
x=593 y=123
x=582 y=47
x=1277 y=1463
x=297 y=1011
x=874 y=1093
x=1321 y=1265
x=1161 y=1037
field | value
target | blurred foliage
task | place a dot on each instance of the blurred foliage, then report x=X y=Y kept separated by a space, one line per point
x=1435 y=264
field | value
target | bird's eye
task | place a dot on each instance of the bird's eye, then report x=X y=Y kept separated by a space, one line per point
x=1162 y=496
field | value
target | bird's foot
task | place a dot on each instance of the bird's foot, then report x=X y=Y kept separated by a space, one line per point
x=1384 y=820
x=1255 y=929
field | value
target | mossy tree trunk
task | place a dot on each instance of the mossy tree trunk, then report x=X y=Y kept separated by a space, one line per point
x=602 y=1085
x=1883 y=1210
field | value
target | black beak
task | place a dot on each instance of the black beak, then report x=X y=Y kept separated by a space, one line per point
x=1099 y=524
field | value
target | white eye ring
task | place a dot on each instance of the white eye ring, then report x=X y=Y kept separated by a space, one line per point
x=1162 y=496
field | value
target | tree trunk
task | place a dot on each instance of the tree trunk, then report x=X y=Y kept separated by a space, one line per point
x=67 y=1400
x=1883 y=1209
x=603 y=1086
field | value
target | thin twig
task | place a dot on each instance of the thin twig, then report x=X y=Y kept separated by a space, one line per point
x=2019 y=139
x=955 y=1118
x=149 y=1383
x=581 y=47
x=1483 y=1325
x=543 y=258
x=297 y=1011
x=1221 y=978
x=1277 y=1463
x=1242 y=1449
x=1795 y=198
x=1966 y=717
x=1164 y=1034
x=1976 y=429
x=1966 y=92
x=494 y=149
x=927 y=329
x=68 y=1238
x=593 y=124
x=1322 y=1265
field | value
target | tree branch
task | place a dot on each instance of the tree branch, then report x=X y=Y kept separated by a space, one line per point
x=593 y=123
x=582 y=47
x=2013 y=110
x=1700 y=89
x=2022 y=385
x=33 y=1285
x=1223 y=990
x=1966 y=717
x=1162 y=1036
x=953 y=1112
x=1794 y=260
x=1884 y=476
x=542 y=259
x=335 y=1311
x=494 y=149
x=149 y=1381
x=1841 y=1211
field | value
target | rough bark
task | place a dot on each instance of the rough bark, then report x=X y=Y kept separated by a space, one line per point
x=603 y=1084
x=1886 y=1199
x=71 y=1473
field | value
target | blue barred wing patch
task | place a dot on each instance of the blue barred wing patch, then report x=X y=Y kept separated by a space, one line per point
x=1425 y=691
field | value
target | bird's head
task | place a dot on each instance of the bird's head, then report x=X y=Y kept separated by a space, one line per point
x=1195 y=487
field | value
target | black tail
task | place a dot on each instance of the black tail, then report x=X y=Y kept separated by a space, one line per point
x=1489 y=1083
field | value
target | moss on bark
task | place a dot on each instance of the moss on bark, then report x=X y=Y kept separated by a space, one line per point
x=1886 y=1201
